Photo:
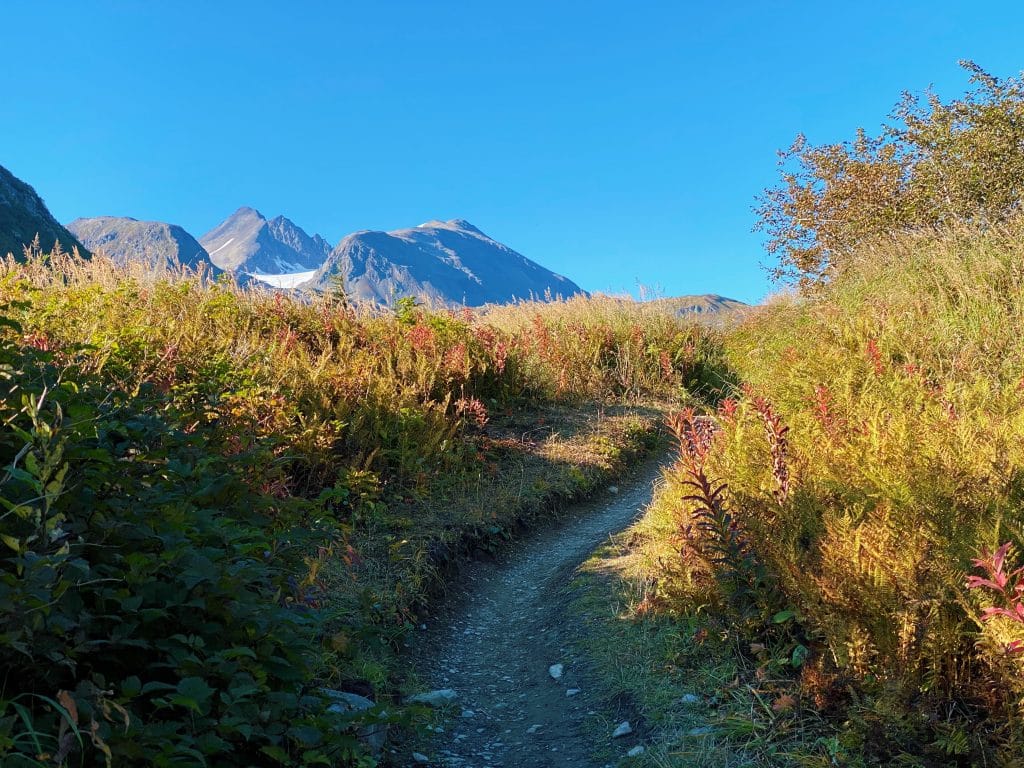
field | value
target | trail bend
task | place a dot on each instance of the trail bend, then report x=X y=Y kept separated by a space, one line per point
x=504 y=627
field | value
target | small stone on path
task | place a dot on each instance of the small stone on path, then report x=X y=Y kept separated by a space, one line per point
x=622 y=729
x=434 y=698
x=533 y=729
x=555 y=670
x=635 y=751
x=419 y=757
x=572 y=691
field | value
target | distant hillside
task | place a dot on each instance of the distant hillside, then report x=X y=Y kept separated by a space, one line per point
x=23 y=215
x=446 y=263
x=701 y=304
x=147 y=242
x=247 y=242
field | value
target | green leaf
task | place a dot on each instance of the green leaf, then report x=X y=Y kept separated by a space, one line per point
x=157 y=686
x=131 y=687
x=800 y=654
x=275 y=752
x=195 y=688
x=27 y=719
x=312 y=757
x=211 y=744
x=237 y=651
x=783 y=616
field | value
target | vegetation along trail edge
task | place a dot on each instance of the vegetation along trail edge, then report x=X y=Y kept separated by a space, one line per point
x=500 y=640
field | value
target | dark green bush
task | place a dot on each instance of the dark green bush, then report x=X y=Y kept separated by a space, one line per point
x=149 y=610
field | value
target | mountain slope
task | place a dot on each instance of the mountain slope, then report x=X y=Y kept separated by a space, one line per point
x=706 y=304
x=441 y=262
x=23 y=215
x=247 y=242
x=153 y=243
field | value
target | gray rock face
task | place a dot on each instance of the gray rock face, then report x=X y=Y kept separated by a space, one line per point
x=153 y=243
x=23 y=215
x=248 y=242
x=446 y=263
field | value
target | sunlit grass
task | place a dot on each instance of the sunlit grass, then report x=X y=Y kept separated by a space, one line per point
x=894 y=458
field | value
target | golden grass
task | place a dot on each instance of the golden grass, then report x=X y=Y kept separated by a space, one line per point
x=899 y=403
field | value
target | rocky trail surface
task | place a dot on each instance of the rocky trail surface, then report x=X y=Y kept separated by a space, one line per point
x=503 y=646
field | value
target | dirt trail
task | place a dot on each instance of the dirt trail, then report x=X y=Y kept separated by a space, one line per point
x=497 y=639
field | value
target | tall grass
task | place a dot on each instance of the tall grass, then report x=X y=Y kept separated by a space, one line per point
x=387 y=392
x=246 y=473
x=874 y=452
x=616 y=348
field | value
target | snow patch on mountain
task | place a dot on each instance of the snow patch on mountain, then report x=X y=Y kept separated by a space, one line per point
x=286 y=281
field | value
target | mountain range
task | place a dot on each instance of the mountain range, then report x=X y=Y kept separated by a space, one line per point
x=443 y=263
x=154 y=243
x=23 y=215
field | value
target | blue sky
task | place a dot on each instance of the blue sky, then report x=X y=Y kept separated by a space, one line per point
x=621 y=144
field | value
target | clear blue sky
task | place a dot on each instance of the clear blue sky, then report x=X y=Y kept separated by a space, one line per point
x=617 y=143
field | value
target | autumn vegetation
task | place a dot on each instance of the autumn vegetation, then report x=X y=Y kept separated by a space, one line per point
x=856 y=505
x=217 y=503
x=934 y=163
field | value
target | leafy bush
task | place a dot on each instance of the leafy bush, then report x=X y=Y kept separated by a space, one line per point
x=148 y=603
x=935 y=164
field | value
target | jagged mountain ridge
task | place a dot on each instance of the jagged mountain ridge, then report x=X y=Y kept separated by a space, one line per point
x=154 y=243
x=448 y=263
x=247 y=242
x=23 y=215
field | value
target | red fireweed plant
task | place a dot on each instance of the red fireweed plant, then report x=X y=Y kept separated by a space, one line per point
x=1007 y=588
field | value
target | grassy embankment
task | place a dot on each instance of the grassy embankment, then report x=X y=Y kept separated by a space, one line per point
x=820 y=607
x=216 y=502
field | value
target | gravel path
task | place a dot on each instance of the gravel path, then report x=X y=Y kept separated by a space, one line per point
x=503 y=633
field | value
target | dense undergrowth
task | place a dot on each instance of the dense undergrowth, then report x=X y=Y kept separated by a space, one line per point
x=850 y=522
x=217 y=502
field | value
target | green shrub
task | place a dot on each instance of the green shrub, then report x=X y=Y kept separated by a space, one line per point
x=935 y=164
x=149 y=613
